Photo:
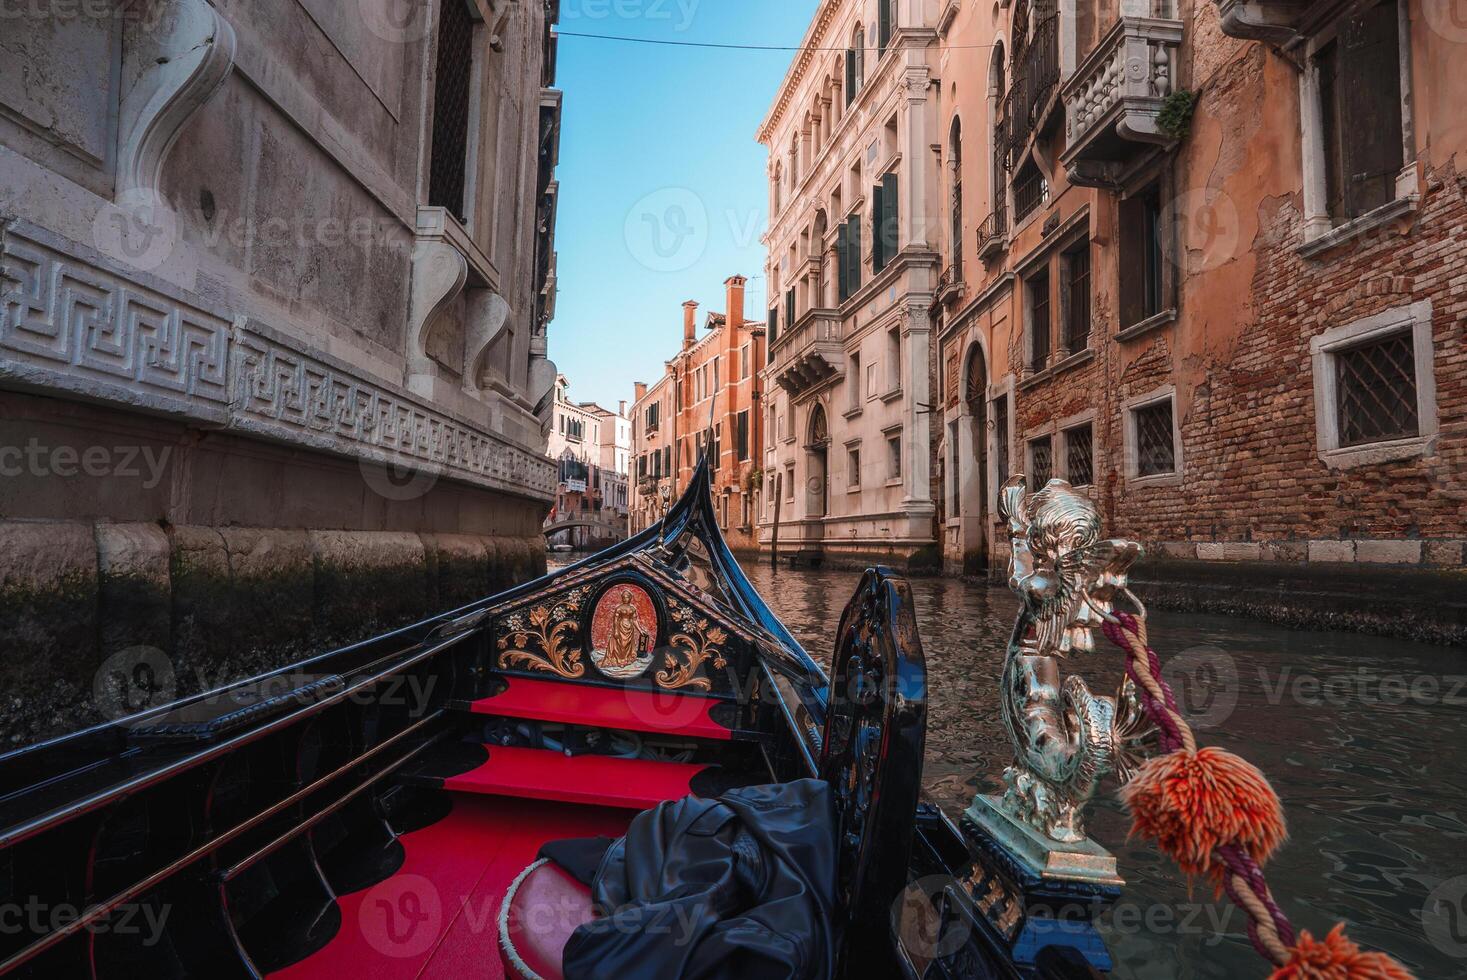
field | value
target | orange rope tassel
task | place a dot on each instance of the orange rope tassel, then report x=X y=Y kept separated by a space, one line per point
x=1191 y=804
x=1336 y=958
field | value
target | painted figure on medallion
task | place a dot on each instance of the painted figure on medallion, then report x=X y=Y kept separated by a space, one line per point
x=623 y=632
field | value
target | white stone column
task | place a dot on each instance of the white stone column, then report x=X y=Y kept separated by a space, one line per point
x=917 y=468
x=916 y=188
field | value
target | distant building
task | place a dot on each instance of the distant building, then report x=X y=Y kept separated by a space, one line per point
x=587 y=442
x=709 y=399
x=853 y=266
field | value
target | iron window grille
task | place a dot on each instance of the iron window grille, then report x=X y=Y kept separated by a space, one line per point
x=454 y=69
x=1031 y=191
x=1041 y=460
x=1080 y=455
x=1001 y=438
x=1376 y=391
x=1156 y=452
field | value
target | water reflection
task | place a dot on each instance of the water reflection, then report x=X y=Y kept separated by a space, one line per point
x=1362 y=737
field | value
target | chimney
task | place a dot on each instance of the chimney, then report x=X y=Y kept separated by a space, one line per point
x=734 y=308
x=640 y=391
x=621 y=408
x=690 y=323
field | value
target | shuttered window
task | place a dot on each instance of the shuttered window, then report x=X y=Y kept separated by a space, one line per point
x=884 y=222
x=885 y=23
x=742 y=438
x=773 y=325
x=1038 y=294
x=850 y=75
x=789 y=307
x=842 y=263
x=1075 y=267
x=1144 y=287
x=853 y=254
x=1360 y=105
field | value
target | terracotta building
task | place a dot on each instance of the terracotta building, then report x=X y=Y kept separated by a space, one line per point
x=709 y=399
x=854 y=258
x=1205 y=260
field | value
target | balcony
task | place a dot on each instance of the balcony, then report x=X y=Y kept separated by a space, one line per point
x=992 y=235
x=950 y=283
x=1279 y=22
x=810 y=353
x=1115 y=95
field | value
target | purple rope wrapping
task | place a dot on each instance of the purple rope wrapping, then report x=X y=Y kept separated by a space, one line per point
x=1239 y=863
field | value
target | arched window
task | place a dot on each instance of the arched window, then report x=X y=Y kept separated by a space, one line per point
x=858 y=65
x=998 y=178
x=794 y=161
x=955 y=161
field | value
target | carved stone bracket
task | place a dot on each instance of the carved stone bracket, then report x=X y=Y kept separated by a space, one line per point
x=440 y=273
x=487 y=314
x=173 y=60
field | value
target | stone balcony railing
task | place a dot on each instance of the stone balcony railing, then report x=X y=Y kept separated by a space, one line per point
x=1115 y=95
x=810 y=353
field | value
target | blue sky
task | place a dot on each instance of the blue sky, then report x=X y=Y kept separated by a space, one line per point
x=662 y=187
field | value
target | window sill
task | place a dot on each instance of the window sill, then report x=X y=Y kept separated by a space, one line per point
x=895 y=481
x=1069 y=363
x=852 y=412
x=1355 y=227
x=1155 y=480
x=854 y=489
x=1376 y=453
x=892 y=395
x=1143 y=327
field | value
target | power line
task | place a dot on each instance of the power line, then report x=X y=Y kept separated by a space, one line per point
x=728 y=47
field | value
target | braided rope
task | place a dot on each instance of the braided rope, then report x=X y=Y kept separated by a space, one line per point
x=1268 y=928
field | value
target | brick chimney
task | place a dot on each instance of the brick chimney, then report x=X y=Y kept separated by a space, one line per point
x=690 y=323
x=621 y=408
x=734 y=304
x=639 y=390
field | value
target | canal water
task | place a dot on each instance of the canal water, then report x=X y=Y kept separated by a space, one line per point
x=1364 y=738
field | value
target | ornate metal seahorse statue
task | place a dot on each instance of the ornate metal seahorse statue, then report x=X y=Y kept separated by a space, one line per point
x=1066 y=739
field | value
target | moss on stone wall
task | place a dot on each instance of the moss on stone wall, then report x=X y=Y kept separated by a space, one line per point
x=217 y=605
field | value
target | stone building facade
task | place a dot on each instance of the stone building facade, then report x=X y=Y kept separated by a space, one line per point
x=274 y=285
x=1205 y=261
x=854 y=259
x=709 y=399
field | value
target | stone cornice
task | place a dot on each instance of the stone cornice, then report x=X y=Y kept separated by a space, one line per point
x=77 y=325
x=819 y=25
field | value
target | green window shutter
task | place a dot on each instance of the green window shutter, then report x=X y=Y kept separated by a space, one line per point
x=890 y=232
x=773 y=325
x=843 y=262
x=1369 y=87
x=850 y=75
x=884 y=27
x=789 y=307
x=878 y=211
x=853 y=250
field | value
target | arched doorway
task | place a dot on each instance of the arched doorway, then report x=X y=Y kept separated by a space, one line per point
x=817 y=448
x=973 y=463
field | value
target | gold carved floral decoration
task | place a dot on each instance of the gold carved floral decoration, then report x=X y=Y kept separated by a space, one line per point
x=694 y=640
x=537 y=640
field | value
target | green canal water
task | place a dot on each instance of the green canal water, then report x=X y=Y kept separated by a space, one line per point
x=1364 y=738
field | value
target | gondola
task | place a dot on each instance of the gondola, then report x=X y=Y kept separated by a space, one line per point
x=378 y=810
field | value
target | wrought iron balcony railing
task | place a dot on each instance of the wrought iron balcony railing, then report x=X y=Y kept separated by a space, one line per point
x=992 y=234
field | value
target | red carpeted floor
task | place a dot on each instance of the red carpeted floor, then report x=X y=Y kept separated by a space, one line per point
x=438 y=917
x=601 y=707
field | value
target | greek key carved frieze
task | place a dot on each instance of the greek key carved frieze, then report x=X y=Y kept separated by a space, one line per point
x=66 y=320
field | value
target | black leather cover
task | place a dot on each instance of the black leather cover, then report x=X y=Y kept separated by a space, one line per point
x=739 y=887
